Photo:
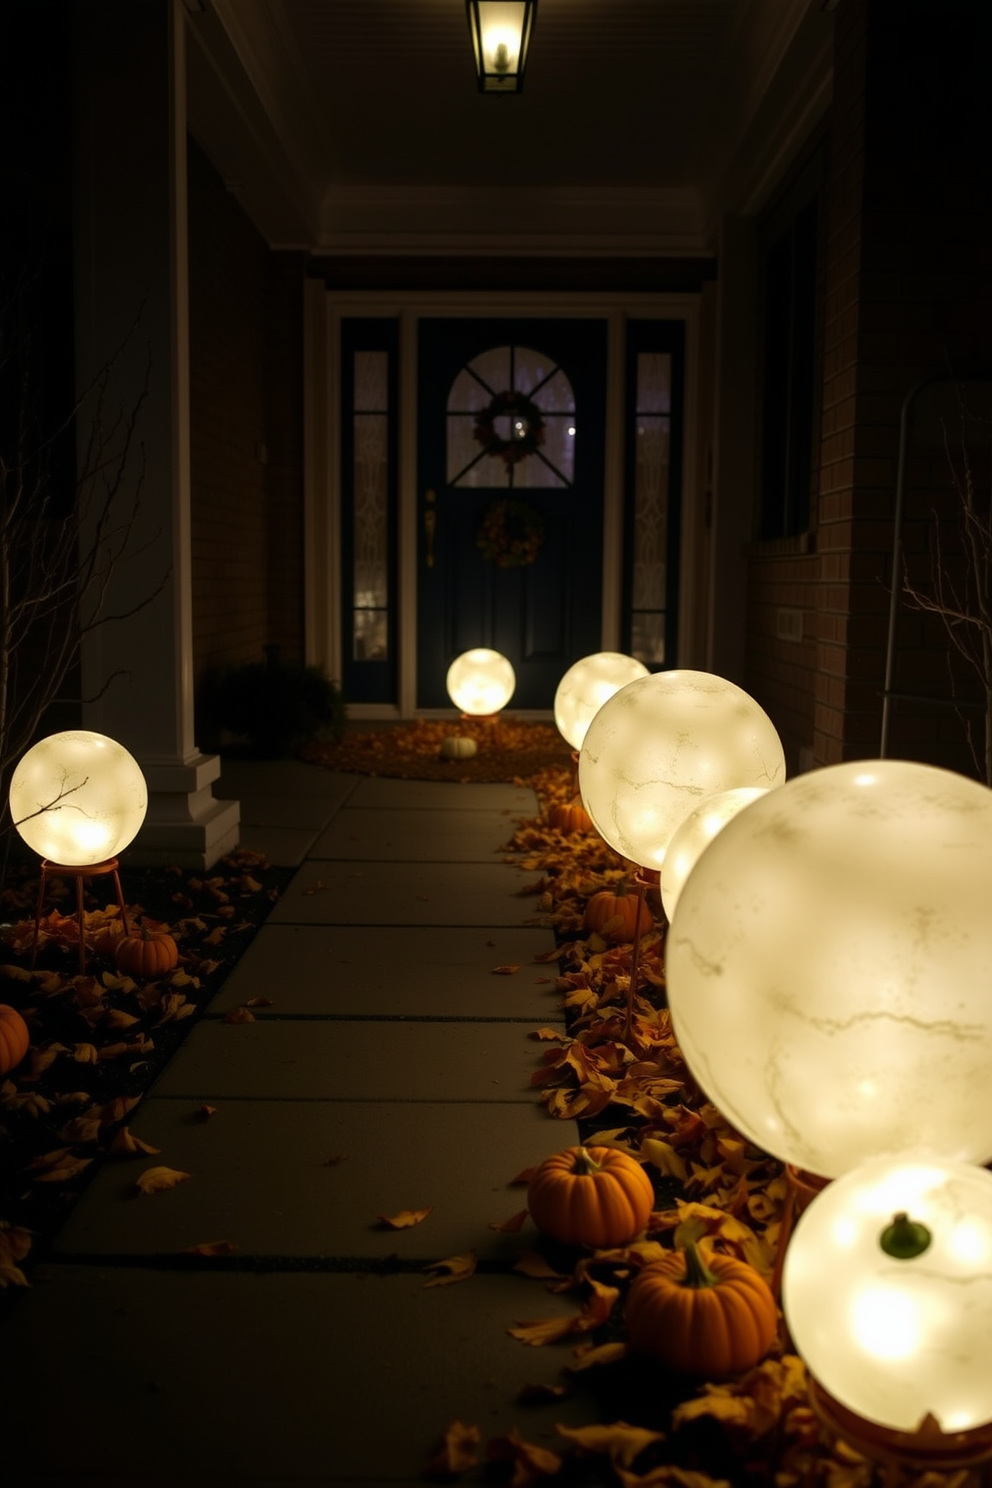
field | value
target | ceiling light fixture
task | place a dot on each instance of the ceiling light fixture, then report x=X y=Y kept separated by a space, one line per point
x=501 y=32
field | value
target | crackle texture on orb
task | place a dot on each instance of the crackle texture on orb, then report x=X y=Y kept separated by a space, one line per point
x=480 y=681
x=78 y=798
x=586 y=686
x=660 y=746
x=891 y=1339
x=830 y=967
x=693 y=835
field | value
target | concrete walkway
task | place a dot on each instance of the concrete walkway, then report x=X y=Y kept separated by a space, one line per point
x=391 y=1072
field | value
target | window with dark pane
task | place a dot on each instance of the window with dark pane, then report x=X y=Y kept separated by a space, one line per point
x=511 y=422
x=654 y=392
x=368 y=509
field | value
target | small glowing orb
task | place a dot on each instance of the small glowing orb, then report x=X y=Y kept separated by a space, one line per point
x=586 y=686
x=480 y=682
x=660 y=746
x=830 y=967
x=78 y=798
x=895 y=1339
x=695 y=834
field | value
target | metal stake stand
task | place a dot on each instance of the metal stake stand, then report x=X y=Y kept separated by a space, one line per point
x=644 y=878
x=78 y=872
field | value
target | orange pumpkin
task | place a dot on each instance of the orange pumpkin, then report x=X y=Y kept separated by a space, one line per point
x=14 y=1038
x=146 y=953
x=570 y=817
x=594 y=1196
x=612 y=914
x=708 y=1319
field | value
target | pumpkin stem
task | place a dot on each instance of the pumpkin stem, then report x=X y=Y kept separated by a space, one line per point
x=697 y=1273
x=904 y=1239
x=585 y=1163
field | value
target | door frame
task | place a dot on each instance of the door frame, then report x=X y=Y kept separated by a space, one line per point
x=324 y=311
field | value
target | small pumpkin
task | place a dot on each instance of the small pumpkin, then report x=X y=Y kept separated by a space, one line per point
x=458 y=747
x=570 y=817
x=594 y=1196
x=613 y=914
x=709 y=1319
x=14 y=1038
x=146 y=953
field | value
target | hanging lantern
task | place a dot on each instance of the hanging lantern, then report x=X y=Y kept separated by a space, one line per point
x=501 y=32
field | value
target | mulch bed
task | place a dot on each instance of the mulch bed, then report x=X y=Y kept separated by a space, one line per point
x=99 y=1038
x=509 y=750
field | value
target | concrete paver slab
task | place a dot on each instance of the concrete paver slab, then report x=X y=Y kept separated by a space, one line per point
x=330 y=1060
x=214 y=1380
x=306 y=813
x=403 y=834
x=260 y=779
x=310 y=1178
x=330 y=893
x=281 y=846
x=426 y=795
x=395 y=971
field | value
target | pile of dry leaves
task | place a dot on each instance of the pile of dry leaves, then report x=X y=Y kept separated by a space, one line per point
x=633 y=1091
x=507 y=749
x=99 y=1037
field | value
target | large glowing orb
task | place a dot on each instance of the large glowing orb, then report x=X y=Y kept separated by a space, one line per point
x=480 y=682
x=663 y=744
x=895 y=1321
x=693 y=835
x=78 y=798
x=586 y=686
x=830 y=967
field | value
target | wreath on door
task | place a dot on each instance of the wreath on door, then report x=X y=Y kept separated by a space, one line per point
x=525 y=423
x=510 y=533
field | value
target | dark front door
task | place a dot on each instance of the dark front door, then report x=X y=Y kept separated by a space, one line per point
x=511 y=415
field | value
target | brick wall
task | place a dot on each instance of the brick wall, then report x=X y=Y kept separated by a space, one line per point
x=907 y=294
x=245 y=432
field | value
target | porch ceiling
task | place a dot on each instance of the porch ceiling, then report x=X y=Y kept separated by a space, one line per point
x=356 y=126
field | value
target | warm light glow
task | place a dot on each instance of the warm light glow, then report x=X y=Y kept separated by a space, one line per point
x=78 y=798
x=885 y=1324
x=500 y=36
x=480 y=682
x=830 y=967
x=895 y=1339
x=693 y=835
x=661 y=746
x=586 y=686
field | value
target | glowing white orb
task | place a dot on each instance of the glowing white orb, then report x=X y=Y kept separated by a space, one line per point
x=480 y=682
x=830 y=967
x=694 y=834
x=78 y=798
x=586 y=686
x=892 y=1337
x=660 y=746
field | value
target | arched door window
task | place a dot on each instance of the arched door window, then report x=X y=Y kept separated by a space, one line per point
x=511 y=422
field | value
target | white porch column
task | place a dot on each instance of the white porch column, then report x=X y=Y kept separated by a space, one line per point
x=131 y=294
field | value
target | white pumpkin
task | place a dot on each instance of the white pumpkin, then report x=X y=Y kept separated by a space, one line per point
x=458 y=747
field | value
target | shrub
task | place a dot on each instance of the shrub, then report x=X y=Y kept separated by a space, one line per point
x=276 y=705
